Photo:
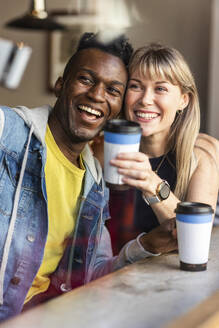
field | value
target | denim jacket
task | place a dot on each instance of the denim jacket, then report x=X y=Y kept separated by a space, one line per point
x=24 y=214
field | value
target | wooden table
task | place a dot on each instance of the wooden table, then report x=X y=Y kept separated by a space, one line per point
x=149 y=294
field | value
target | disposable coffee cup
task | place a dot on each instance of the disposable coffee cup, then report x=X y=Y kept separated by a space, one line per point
x=194 y=225
x=119 y=136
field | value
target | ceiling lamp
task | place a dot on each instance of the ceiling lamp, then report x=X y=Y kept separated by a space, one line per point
x=36 y=19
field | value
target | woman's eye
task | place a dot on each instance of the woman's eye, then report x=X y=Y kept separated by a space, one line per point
x=160 y=89
x=134 y=86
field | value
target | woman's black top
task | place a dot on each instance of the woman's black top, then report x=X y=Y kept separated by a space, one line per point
x=144 y=217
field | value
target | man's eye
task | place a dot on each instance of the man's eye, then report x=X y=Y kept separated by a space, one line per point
x=85 y=79
x=114 y=91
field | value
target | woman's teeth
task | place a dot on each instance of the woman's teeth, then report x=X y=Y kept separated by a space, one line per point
x=146 y=115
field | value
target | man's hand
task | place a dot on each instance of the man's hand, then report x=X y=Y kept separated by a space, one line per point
x=162 y=239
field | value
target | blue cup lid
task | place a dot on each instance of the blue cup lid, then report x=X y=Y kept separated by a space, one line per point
x=122 y=126
x=193 y=208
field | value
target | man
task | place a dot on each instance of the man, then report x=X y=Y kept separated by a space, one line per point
x=53 y=201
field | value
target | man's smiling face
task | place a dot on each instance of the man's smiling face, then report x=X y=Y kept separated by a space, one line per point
x=91 y=94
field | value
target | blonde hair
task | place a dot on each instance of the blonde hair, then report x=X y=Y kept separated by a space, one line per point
x=159 y=61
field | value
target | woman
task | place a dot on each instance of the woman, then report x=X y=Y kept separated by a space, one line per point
x=162 y=97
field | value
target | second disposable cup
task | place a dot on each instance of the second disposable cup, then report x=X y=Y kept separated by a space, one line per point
x=119 y=136
x=194 y=225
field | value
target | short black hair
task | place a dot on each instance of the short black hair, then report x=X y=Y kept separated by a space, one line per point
x=118 y=46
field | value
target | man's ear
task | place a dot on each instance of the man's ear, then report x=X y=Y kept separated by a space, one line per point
x=58 y=86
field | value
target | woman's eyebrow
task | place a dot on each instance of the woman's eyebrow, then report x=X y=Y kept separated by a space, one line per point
x=156 y=82
x=133 y=79
x=160 y=82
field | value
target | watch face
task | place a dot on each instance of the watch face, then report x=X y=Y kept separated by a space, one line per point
x=164 y=190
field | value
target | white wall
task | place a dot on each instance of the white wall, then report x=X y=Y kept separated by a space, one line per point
x=182 y=24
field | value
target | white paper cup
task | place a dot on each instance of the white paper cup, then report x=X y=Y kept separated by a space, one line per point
x=119 y=136
x=194 y=225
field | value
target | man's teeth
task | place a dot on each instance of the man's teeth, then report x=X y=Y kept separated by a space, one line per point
x=146 y=115
x=89 y=110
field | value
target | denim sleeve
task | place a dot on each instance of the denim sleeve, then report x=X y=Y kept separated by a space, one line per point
x=106 y=262
x=2 y=121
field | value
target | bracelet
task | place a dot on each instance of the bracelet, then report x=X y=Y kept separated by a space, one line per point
x=147 y=253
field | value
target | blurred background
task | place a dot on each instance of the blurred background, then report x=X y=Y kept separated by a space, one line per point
x=190 y=26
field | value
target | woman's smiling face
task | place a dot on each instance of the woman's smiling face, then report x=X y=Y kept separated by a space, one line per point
x=153 y=103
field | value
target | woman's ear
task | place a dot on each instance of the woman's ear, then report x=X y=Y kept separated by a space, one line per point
x=184 y=101
x=58 y=86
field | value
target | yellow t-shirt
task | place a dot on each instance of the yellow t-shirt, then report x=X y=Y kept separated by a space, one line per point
x=63 y=184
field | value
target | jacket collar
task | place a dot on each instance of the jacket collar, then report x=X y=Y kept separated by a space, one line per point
x=38 y=118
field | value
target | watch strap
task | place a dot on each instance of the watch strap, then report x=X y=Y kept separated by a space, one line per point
x=157 y=198
x=151 y=200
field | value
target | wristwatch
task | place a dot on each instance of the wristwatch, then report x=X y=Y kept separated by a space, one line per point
x=162 y=193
